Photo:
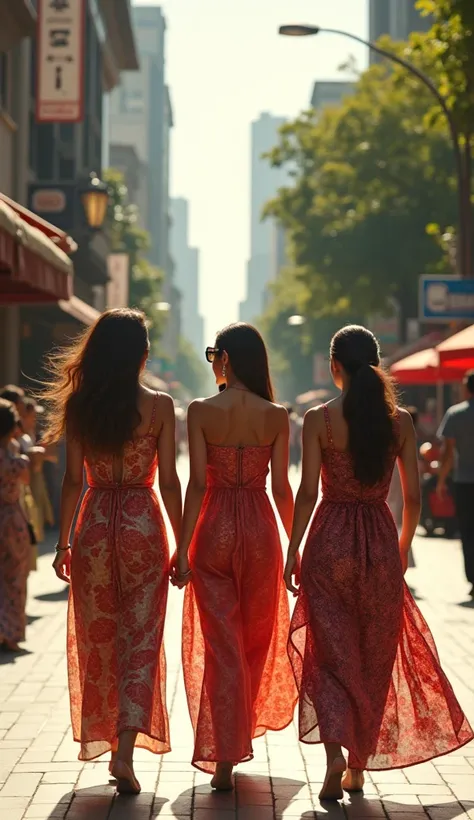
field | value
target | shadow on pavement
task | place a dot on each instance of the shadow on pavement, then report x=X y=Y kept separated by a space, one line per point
x=469 y=604
x=252 y=794
x=7 y=656
x=62 y=595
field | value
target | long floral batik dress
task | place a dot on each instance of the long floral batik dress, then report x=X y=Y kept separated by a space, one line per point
x=236 y=616
x=364 y=659
x=117 y=605
x=15 y=549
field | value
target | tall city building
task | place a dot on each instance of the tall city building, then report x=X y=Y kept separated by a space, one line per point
x=141 y=116
x=330 y=92
x=186 y=261
x=397 y=18
x=265 y=182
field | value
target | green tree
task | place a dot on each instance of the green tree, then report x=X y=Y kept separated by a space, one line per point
x=369 y=176
x=128 y=237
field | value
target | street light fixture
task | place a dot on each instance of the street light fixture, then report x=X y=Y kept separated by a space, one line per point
x=95 y=199
x=463 y=170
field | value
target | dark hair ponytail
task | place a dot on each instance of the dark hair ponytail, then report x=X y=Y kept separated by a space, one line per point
x=369 y=405
x=248 y=357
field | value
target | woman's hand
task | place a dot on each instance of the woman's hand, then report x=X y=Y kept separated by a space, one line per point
x=180 y=572
x=62 y=565
x=292 y=573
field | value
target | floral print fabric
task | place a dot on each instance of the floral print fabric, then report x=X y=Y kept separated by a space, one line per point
x=117 y=606
x=364 y=659
x=15 y=549
x=236 y=615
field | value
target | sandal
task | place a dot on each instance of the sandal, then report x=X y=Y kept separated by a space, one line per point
x=127 y=783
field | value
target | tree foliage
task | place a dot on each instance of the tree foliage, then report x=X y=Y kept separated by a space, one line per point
x=191 y=371
x=128 y=237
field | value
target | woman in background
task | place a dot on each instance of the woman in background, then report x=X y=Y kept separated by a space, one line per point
x=15 y=542
x=364 y=659
x=118 y=565
x=236 y=616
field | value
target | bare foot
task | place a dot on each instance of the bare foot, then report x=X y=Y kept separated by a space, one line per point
x=332 y=788
x=223 y=780
x=127 y=783
x=353 y=781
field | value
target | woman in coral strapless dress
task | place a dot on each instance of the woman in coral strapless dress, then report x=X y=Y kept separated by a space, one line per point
x=364 y=659
x=236 y=615
x=119 y=564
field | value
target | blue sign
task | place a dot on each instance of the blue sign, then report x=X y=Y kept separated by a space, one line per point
x=446 y=298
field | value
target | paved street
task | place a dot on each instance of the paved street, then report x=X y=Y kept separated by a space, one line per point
x=40 y=776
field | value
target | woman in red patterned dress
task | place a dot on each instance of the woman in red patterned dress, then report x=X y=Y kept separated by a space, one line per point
x=118 y=565
x=236 y=615
x=364 y=659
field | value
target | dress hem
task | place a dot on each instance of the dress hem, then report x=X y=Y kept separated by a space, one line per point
x=164 y=751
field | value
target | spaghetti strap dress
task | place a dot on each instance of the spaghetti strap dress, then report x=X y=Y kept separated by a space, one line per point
x=236 y=614
x=117 y=605
x=364 y=659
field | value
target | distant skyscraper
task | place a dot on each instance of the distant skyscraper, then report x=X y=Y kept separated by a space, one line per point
x=397 y=18
x=265 y=182
x=186 y=261
x=330 y=92
x=141 y=116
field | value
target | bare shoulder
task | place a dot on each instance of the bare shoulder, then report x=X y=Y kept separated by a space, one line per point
x=314 y=418
x=407 y=428
x=197 y=408
x=166 y=404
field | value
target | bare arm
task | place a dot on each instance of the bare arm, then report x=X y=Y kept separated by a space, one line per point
x=73 y=482
x=307 y=494
x=281 y=489
x=196 y=486
x=447 y=463
x=170 y=487
x=410 y=478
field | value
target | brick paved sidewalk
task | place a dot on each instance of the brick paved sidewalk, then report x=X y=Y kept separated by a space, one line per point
x=41 y=778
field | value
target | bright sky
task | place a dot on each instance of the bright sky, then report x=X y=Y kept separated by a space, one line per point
x=225 y=65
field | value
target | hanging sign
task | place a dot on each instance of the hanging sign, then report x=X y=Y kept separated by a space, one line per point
x=60 y=61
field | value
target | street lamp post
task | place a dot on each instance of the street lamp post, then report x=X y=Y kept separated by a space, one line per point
x=463 y=170
x=95 y=199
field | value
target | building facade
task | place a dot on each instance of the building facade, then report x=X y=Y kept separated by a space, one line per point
x=186 y=260
x=397 y=18
x=141 y=117
x=265 y=182
x=330 y=92
x=49 y=162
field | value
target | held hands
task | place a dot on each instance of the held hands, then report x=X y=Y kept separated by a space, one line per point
x=62 y=565
x=180 y=572
x=292 y=574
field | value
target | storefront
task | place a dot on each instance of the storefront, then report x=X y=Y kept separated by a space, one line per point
x=37 y=306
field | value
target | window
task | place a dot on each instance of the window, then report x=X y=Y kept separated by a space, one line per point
x=5 y=80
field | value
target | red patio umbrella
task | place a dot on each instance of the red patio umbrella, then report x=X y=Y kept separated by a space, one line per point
x=458 y=350
x=425 y=368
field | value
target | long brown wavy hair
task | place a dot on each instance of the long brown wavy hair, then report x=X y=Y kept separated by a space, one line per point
x=248 y=356
x=94 y=383
x=369 y=405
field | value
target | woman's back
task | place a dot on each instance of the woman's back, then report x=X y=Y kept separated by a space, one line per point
x=137 y=464
x=339 y=483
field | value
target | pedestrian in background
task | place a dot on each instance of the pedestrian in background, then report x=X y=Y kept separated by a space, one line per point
x=457 y=433
x=118 y=566
x=15 y=544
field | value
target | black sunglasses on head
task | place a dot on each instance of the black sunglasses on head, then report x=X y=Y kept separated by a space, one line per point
x=211 y=353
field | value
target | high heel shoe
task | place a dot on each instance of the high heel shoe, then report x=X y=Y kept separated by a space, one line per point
x=127 y=783
x=332 y=788
x=353 y=780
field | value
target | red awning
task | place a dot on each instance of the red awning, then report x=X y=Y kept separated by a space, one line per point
x=458 y=350
x=60 y=238
x=425 y=368
x=33 y=269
